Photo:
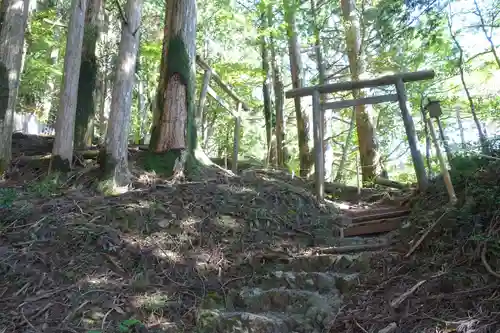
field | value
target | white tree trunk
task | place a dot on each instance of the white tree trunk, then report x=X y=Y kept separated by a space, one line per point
x=13 y=26
x=116 y=163
x=65 y=124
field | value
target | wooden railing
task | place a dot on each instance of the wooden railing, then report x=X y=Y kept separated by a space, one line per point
x=210 y=74
x=397 y=80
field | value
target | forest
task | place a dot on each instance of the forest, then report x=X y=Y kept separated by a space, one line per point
x=259 y=51
x=159 y=171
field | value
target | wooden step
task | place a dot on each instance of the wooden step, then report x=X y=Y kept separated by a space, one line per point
x=373 y=226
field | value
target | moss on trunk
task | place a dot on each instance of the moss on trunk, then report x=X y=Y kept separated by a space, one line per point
x=177 y=63
x=60 y=164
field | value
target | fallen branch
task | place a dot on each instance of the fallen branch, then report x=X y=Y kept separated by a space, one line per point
x=421 y=239
x=353 y=248
x=398 y=301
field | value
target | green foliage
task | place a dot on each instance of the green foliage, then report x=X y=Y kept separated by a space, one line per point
x=47 y=186
x=7 y=197
x=161 y=163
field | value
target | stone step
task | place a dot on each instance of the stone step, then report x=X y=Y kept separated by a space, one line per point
x=341 y=263
x=317 y=308
x=310 y=281
x=216 y=321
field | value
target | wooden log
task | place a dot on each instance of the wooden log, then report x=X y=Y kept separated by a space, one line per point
x=219 y=81
x=203 y=94
x=389 y=183
x=237 y=122
x=418 y=161
x=350 y=85
x=360 y=101
x=319 y=171
x=442 y=164
x=219 y=99
x=381 y=215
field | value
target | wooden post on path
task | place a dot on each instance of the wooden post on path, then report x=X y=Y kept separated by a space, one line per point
x=442 y=163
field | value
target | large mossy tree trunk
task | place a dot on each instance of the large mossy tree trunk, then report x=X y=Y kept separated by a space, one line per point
x=13 y=19
x=368 y=147
x=296 y=70
x=87 y=83
x=65 y=124
x=114 y=157
x=174 y=130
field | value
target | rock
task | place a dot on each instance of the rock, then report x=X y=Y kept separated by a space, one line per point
x=391 y=328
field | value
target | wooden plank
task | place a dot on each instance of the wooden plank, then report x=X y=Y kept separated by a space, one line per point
x=237 y=123
x=380 y=216
x=319 y=165
x=219 y=99
x=350 y=85
x=373 y=227
x=203 y=94
x=360 y=101
x=219 y=81
x=442 y=164
x=418 y=161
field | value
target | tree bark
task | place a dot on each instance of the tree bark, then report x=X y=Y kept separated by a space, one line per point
x=65 y=124
x=368 y=147
x=176 y=126
x=297 y=82
x=268 y=115
x=114 y=158
x=13 y=20
x=278 y=93
x=87 y=85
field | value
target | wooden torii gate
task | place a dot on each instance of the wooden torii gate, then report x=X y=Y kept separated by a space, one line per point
x=397 y=80
x=209 y=74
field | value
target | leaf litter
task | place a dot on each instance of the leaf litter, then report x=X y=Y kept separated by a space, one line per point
x=74 y=260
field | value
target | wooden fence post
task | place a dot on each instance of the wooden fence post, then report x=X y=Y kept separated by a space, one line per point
x=237 y=124
x=319 y=163
x=418 y=161
x=442 y=163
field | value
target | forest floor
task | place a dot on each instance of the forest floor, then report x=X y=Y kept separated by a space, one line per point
x=73 y=260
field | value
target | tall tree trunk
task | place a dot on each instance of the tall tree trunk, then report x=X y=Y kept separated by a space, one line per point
x=114 y=160
x=160 y=98
x=266 y=92
x=482 y=136
x=278 y=92
x=460 y=127
x=103 y=82
x=13 y=19
x=368 y=148
x=85 y=106
x=297 y=82
x=65 y=124
x=176 y=127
